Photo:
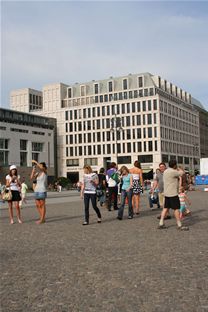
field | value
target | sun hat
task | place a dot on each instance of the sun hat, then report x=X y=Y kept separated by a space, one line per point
x=12 y=167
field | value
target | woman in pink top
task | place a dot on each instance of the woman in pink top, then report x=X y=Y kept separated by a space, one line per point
x=136 y=172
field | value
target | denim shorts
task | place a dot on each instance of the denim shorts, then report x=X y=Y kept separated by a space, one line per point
x=40 y=195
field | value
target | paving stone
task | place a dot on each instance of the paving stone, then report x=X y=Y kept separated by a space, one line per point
x=115 y=266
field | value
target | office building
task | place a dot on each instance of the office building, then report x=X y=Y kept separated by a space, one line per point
x=138 y=116
x=24 y=137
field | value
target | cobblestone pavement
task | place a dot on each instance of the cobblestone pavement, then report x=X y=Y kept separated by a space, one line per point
x=116 y=266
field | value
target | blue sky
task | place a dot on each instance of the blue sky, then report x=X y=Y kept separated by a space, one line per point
x=46 y=42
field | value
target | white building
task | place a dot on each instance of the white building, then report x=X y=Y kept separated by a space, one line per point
x=122 y=119
x=24 y=137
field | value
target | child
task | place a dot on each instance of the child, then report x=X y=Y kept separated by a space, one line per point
x=183 y=203
x=153 y=198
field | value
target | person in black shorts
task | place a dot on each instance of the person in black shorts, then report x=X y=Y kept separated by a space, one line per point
x=171 y=185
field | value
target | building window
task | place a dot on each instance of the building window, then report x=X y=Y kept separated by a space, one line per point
x=150 y=146
x=145 y=92
x=72 y=162
x=180 y=159
x=37 y=147
x=110 y=86
x=165 y=158
x=4 y=143
x=82 y=90
x=125 y=84
x=144 y=106
x=4 y=155
x=139 y=147
x=139 y=133
x=186 y=160
x=145 y=158
x=145 y=146
x=149 y=119
x=149 y=105
x=140 y=82
x=149 y=130
x=96 y=88
x=124 y=160
x=91 y=161
x=138 y=120
x=35 y=156
x=128 y=147
x=156 y=146
x=23 y=145
x=23 y=159
x=69 y=92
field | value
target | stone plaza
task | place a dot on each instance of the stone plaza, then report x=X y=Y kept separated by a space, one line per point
x=115 y=266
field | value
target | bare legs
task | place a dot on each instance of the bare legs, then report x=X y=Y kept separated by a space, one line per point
x=11 y=212
x=176 y=214
x=135 y=203
x=40 y=204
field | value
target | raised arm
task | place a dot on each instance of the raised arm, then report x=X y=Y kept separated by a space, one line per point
x=39 y=166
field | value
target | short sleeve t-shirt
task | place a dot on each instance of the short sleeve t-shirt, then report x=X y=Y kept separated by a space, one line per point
x=89 y=186
x=126 y=182
x=13 y=185
x=171 y=182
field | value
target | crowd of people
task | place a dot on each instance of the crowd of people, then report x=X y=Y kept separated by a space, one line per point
x=112 y=189
x=124 y=185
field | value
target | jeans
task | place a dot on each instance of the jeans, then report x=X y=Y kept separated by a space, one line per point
x=125 y=194
x=87 y=198
x=112 y=191
x=102 y=198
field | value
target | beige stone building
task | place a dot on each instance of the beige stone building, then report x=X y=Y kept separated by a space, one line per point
x=140 y=116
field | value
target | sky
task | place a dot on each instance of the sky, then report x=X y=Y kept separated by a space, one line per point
x=44 y=42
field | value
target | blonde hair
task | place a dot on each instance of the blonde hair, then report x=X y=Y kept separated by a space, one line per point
x=87 y=169
x=124 y=168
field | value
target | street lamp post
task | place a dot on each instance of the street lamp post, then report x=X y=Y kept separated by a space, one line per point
x=195 y=152
x=116 y=126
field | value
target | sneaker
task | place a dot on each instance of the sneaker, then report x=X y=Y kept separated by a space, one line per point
x=85 y=223
x=183 y=228
x=161 y=227
x=130 y=217
x=119 y=218
x=99 y=220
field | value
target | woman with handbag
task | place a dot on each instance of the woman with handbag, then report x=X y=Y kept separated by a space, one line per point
x=40 y=188
x=14 y=185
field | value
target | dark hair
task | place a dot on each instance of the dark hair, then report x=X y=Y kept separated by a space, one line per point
x=172 y=163
x=113 y=165
x=137 y=164
x=10 y=172
x=162 y=163
x=43 y=164
x=102 y=170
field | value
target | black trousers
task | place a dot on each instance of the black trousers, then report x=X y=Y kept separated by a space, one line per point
x=113 y=192
x=87 y=198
